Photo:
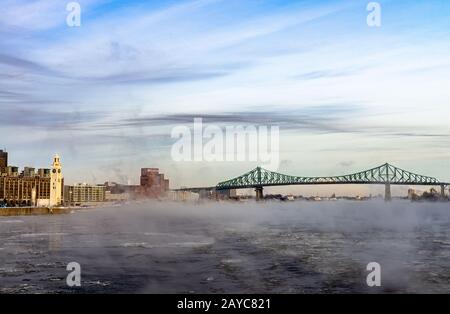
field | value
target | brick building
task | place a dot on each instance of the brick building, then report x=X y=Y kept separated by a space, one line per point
x=153 y=184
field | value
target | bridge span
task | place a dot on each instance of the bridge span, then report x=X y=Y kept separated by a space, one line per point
x=385 y=174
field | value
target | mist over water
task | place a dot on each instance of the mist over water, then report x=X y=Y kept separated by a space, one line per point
x=267 y=247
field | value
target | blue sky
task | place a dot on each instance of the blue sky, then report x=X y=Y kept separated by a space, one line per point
x=346 y=96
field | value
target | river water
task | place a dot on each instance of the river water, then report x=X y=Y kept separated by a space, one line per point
x=273 y=247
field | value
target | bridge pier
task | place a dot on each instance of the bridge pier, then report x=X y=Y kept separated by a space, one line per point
x=387 y=193
x=259 y=193
x=442 y=190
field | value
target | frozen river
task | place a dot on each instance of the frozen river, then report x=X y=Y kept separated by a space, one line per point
x=294 y=247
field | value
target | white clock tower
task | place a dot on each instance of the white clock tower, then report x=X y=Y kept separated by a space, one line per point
x=56 y=182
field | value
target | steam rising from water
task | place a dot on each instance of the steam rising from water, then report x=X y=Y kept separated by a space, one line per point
x=297 y=247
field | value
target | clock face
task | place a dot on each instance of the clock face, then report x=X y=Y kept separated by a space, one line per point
x=59 y=170
x=54 y=170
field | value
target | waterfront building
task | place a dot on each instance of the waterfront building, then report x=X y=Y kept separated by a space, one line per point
x=115 y=192
x=117 y=197
x=153 y=183
x=56 y=183
x=183 y=196
x=29 y=188
x=83 y=193
x=25 y=191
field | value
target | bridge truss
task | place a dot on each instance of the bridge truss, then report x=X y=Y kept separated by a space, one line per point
x=385 y=174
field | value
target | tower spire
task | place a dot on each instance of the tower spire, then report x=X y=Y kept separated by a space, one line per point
x=56 y=182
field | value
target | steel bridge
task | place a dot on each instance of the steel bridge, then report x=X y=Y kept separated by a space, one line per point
x=386 y=175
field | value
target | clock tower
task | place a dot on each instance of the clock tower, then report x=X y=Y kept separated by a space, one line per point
x=56 y=182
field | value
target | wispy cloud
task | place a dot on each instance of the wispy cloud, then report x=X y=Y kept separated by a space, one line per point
x=327 y=74
x=38 y=118
x=7 y=61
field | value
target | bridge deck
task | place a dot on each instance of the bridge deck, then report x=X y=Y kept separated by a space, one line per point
x=383 y=175
x=328 y=183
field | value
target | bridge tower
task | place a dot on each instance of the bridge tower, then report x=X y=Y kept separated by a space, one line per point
x=259 y=193
x=387 y=192
x=387 y=187
x=259 y=189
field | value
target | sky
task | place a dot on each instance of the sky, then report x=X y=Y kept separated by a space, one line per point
x=106 y=95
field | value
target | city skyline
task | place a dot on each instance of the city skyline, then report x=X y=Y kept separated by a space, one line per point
x=155 y=183
x=106 y=95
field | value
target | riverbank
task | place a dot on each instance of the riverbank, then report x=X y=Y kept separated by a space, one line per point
x=33 y=211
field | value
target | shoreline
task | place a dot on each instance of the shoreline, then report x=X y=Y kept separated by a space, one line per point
x=34 y=211
x=40 y=211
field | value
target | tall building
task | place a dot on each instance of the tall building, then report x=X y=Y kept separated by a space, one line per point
x=149 y=176
x=3 y=160
x=153 y=183
x=56 y=183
